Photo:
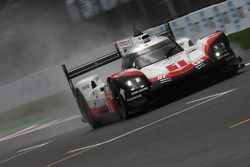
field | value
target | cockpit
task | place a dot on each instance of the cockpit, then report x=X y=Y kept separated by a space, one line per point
x=141 y=56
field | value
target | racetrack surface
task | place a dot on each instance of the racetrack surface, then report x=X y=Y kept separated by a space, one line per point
x=209 y=127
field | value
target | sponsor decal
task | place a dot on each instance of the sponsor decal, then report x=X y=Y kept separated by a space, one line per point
x=199 y=66
x=110 y=101
x=124 y=43
x=108 y=94
x=134 y=98
x=139 y=91
x=161 y=77
x=176 y=66
x=165 y=80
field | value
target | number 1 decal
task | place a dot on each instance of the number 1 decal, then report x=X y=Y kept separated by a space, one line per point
x=173 y=67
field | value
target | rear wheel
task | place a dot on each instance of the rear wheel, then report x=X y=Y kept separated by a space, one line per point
x=86 y=112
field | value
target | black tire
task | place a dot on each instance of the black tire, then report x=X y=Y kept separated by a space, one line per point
x=86 y=112
x=234 y=71
x=231 y=71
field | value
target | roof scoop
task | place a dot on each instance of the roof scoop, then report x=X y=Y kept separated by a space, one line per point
x=137 y=32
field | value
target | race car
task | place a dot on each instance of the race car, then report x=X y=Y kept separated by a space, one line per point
x=153 y=66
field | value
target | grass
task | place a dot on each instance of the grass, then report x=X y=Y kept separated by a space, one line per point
x=42 y=105
x=241 y=38
x=22 y=127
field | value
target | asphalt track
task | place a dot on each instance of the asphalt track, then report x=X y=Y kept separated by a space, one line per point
x=209 y=127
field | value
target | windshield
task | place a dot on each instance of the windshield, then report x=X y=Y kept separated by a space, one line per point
x=151 y=55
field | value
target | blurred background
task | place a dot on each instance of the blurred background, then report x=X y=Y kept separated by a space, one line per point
x=36 y=34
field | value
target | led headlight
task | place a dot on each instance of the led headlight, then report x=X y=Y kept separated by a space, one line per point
x=138 y=80
x=130 y=83
x=219 y=49
x=135 y=83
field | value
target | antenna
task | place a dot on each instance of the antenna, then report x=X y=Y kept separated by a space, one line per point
x=136 y=32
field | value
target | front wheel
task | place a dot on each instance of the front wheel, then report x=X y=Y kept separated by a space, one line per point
x=230 y=71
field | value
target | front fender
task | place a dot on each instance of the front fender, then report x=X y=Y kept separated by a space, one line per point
x=131 y=85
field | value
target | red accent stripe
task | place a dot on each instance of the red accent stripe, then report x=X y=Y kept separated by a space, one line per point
x=204 y=58
x=127 y=74
x=179 y=72
x=112 y=105
x=155 y=79
x=98 y=110
x=210 y=41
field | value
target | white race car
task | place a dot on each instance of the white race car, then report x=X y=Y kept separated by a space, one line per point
x=153 y=65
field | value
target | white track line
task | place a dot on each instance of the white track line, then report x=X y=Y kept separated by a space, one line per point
x=25 y=151
x=211 y=96
x=55 y=122
x=15 y=156
x=240 y=123
x=19 y=133
x=145 y=126
x=33 y=147
x=247 y=64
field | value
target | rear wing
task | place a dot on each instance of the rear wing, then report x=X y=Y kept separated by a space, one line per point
x=163 y=29
x=82 y=69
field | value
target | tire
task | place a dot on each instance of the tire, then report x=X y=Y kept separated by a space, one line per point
x=86 y=112
x=234 y=71
x=230 y=71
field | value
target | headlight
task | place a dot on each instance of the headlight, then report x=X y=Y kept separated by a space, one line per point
x=219 y=50
x=135 y=83
x=138 y=80
x=129 y=83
